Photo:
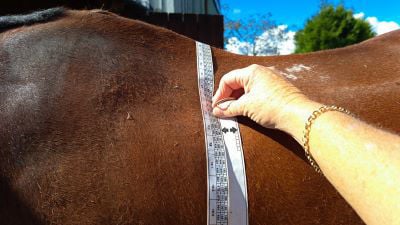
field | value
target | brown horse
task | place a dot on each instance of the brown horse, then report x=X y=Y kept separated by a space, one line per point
x=100 y=123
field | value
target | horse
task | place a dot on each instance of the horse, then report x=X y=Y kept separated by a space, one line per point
x=100 y=123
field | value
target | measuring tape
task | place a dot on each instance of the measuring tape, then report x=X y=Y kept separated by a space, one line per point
x=227 y=188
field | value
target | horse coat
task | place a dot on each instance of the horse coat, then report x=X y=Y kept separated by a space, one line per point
x=100 y=123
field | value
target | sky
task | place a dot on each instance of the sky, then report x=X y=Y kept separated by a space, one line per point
x=296 y=12
x=383 y=15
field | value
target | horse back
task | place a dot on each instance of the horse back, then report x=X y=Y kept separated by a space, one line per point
x=102 y=124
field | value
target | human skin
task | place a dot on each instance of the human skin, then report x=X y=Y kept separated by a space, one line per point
x=361 y=161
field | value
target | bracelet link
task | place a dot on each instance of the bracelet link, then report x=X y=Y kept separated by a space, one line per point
x=307 y=130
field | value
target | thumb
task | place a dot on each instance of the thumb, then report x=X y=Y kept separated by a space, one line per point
x=230 y=108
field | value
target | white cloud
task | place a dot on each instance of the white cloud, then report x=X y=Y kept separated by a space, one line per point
x=287 y=46
x=236 y=11
x=359 y=15
x=278 y=45
x=275 y=41
x=238 y=47
x=380 y=27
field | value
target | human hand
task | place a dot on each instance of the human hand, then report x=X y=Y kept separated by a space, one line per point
x=267 y=97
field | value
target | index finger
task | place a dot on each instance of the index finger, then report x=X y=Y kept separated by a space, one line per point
x=234 y=80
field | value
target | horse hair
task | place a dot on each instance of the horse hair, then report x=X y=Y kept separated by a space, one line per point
x=7 y=22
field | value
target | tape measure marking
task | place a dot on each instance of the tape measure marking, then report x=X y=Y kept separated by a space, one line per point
x=227 y=190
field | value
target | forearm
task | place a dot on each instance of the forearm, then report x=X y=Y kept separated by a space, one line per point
x=362 y=162
x=366 y=173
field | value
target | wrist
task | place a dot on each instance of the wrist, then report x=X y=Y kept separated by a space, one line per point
x=294 y=117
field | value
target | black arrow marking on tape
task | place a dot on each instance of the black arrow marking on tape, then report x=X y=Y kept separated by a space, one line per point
x=233 y=130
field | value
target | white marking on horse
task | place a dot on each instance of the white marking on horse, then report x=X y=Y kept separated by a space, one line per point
x=298 y=68
x=289 y=76
x=324 y=77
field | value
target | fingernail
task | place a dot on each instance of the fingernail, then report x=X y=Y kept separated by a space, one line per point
x=229 y=99
x=224 y=105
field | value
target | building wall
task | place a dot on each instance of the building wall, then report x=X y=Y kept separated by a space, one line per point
x=183 y=6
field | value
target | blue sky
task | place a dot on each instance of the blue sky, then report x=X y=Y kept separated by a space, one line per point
x=382 y=15
x=294 y=13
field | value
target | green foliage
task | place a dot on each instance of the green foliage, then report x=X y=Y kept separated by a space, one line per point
x=332 y=28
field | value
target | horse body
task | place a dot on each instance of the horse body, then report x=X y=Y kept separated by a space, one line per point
x=100 y=123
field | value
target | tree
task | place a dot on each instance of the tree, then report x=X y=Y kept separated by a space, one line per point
x=332 y=28
x=255 y=35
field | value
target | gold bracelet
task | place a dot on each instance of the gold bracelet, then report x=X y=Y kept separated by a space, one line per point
x=310 y=121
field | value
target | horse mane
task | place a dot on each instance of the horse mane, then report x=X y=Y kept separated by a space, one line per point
x=11 y=21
